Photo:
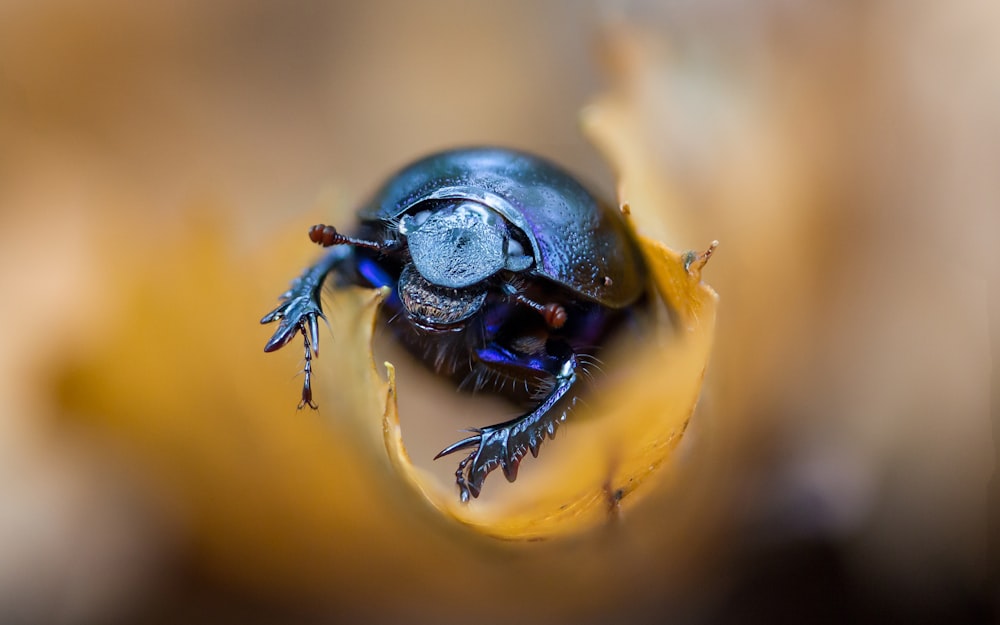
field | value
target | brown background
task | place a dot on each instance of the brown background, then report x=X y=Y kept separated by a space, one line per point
x=844 y=153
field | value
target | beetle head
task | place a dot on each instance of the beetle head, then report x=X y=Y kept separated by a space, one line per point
x=455 y=246
x=460 y=243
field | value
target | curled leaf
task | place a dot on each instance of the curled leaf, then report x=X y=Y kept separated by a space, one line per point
x=618 y=437
x=617 y=440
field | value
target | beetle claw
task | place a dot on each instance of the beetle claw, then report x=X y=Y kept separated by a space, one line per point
x=281 y=337
x=299 y=312
x=494 y=448
x=274 y=315
x=504 y=445
x=297 y=316
x=474 y=468
x=314 y=333
x=465 y=443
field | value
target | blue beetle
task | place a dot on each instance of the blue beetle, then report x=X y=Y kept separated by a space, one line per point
x=501 y=266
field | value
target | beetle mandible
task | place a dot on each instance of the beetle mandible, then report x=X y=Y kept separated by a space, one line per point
x=501 y=266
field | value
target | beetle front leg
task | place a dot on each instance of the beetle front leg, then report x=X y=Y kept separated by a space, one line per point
x=307 y=392
x=300 y=311
x=505 y=444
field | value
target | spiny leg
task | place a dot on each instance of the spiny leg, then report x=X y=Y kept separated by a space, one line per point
x=505 y=444
x=300 y=311
x=307 y=393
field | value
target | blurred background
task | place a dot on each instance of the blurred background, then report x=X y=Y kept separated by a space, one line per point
x=161 y=162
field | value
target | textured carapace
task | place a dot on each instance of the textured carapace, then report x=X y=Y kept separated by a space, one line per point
x=500 y=265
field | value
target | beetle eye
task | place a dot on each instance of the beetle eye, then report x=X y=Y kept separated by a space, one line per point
x=409 y=223
x=517 y=260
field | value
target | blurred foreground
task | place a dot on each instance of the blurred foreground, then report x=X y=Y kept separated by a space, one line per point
x=159 y=166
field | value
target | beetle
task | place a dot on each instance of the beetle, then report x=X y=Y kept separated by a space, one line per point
x=502 y=267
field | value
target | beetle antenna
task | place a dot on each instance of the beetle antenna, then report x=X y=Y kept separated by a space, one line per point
x=327 y=236
x=553 y=313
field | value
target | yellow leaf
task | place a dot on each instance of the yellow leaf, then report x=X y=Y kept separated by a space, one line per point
x=615 y=441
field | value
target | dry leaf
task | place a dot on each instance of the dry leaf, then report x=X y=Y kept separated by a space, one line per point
x=619 y=439
x=155 y=462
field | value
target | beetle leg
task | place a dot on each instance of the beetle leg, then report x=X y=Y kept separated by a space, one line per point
x=505 y=444
x=300 y=311
x=307 y=393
